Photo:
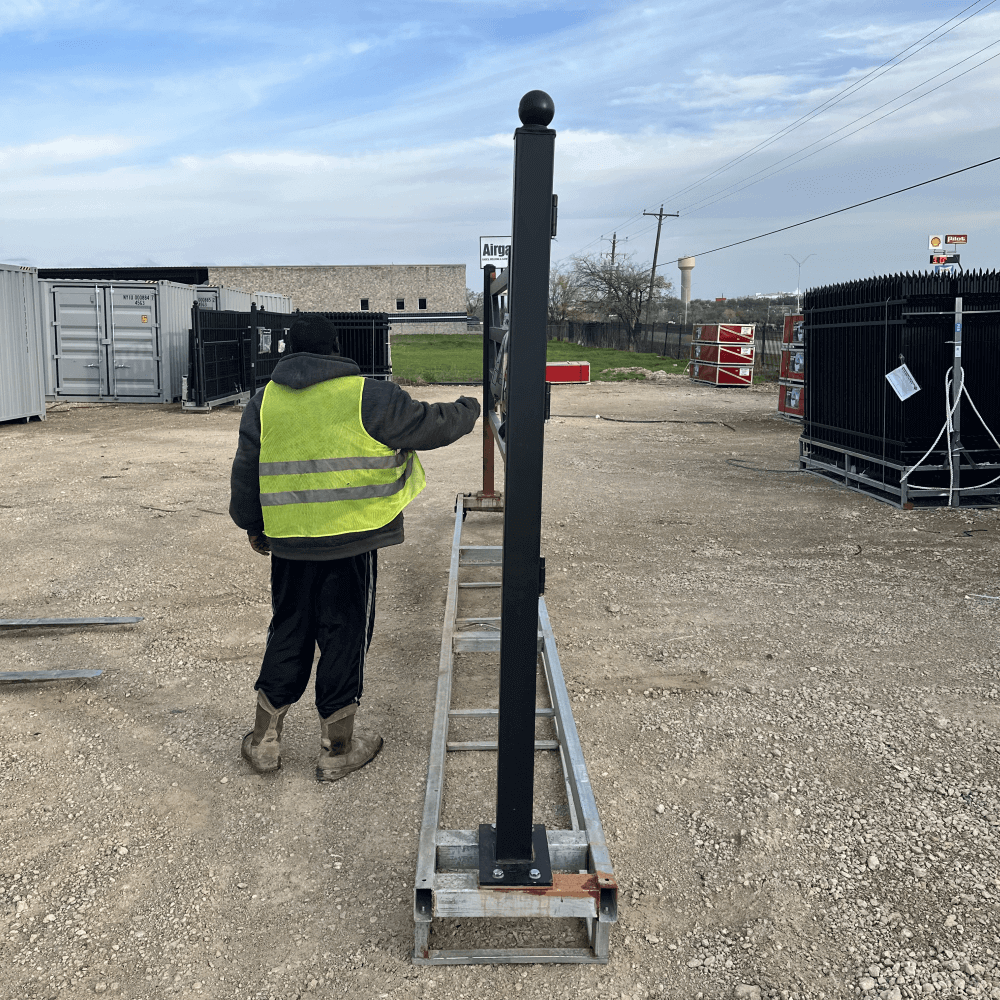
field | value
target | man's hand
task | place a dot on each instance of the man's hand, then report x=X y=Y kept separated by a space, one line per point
x=260 y=544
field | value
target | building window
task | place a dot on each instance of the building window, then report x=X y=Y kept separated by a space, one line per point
x=400 y=304
x=421 y=303
x=364 y=305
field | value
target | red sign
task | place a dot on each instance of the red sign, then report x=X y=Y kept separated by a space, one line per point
x=956 y=239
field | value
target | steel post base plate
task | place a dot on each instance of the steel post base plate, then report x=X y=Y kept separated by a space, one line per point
x=509 y=874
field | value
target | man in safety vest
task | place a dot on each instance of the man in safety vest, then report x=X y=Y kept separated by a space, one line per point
x=325 y=466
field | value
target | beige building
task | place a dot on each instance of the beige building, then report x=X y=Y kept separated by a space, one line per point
x=419 y=298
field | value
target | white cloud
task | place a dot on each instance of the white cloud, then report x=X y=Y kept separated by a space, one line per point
x=67 y=149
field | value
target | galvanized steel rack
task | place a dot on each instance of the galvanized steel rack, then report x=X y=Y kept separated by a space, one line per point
x=513 y=867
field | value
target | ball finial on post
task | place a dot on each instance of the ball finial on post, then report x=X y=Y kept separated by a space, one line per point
x=536 y=108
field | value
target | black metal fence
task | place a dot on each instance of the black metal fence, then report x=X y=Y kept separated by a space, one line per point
x=232 y=353
x=668 y=340
x=671 y=340
x=855 y=425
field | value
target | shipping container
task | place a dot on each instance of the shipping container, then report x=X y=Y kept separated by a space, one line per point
x=270 y=302
x=22 y=348
x=222 y=299
x=793 y=362
x=567 y=371
x=723 y=354
x=791 y=399
x=795 y=330
x=716 y=333
x=115 y=341
x=721 y=374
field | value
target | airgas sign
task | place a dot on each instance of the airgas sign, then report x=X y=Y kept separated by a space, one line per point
x=494 y=250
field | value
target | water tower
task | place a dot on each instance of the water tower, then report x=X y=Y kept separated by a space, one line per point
x=686 y=266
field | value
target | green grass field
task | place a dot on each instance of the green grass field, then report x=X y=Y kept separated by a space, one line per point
x=458 y=357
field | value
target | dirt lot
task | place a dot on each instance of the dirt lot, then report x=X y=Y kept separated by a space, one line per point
x=788 y=704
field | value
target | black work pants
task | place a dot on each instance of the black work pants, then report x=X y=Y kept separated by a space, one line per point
x=329 y=603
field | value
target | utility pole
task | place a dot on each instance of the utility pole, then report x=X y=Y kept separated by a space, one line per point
x=614 y=241
x=659 y=216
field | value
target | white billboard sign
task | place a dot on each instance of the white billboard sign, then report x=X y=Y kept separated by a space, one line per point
x=935 y=242
x=494 y=250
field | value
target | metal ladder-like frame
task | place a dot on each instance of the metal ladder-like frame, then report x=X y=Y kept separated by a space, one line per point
x=447 y=884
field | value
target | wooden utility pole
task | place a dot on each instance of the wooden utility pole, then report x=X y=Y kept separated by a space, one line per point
x=614 y=240
x=659 y=216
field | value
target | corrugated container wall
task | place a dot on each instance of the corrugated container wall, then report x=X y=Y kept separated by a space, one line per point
x=223 y=299
x=22 y=347
x=271 y=302
x=124 y=341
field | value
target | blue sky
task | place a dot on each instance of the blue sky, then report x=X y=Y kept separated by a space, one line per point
x=305 y=132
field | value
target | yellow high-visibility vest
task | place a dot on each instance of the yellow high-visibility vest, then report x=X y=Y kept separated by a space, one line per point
x=321 y=473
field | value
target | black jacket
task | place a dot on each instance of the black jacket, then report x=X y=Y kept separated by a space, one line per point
x=388 y=414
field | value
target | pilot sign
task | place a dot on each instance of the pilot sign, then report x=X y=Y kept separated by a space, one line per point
x=494 y=250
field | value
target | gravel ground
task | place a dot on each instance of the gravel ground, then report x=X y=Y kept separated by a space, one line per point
x=787 y=701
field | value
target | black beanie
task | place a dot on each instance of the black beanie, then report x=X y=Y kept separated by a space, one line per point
x=314 y=334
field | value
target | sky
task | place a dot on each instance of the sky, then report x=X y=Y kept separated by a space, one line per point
x=193 y=132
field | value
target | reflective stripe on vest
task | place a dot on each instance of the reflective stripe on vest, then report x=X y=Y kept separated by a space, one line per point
x=321 y=473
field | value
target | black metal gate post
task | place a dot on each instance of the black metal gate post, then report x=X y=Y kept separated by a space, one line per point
x=489 y=352
x=531 y=234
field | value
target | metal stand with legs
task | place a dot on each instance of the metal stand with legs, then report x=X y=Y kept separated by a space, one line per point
x=514 y=867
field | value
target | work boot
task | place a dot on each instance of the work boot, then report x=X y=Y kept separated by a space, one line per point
x=262 y=745
x=342 y=751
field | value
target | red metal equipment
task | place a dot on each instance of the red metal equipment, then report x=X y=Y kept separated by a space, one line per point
x=723 y=354
x=722 y=374
x=726 y=333
x=791 y=400
x=793 y=363
x=794 y=330
x=567 y=371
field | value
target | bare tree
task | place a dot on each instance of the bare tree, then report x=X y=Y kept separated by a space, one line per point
x=563 y=294
x=618 y=290
x=474 y=303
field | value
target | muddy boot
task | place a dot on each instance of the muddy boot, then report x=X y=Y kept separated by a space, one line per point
x=262 y=745
x=342 y=751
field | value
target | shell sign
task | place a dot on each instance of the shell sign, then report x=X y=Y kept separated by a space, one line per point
x=935 y=242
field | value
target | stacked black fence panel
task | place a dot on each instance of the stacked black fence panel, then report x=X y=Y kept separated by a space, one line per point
x=856 y=428
x=233 y=353
x=268 y=342
x=364 y=338
x=216 y=364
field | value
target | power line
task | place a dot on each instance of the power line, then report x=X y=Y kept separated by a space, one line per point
x=738 y=186
x=838 y=211
x=869 y=77
x=826 y=105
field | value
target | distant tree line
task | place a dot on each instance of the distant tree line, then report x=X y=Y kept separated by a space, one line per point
x=589 y=288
